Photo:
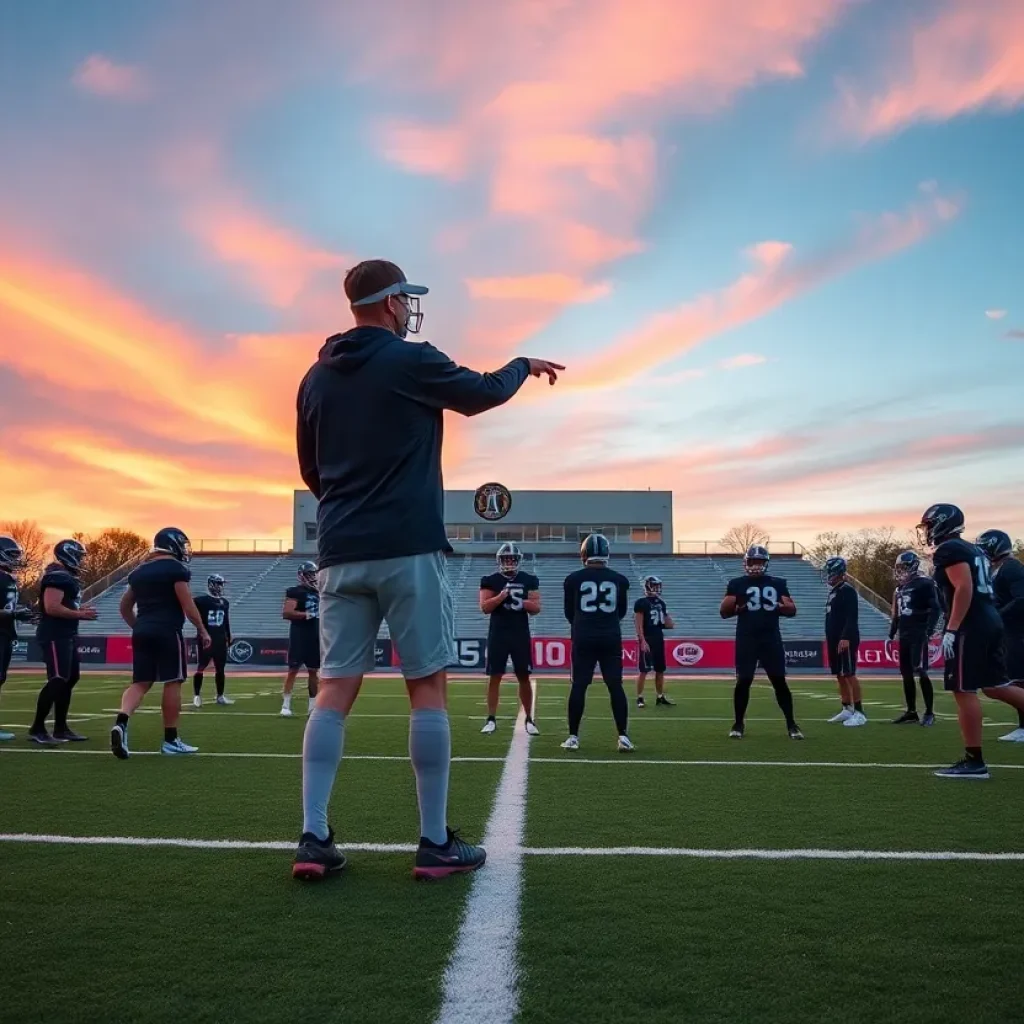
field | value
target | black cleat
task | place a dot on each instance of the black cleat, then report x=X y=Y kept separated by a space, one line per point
x=664 y=702
x=69 y=736
x=44 y=739
x=929 y=718
x=119 y=742
x=457 y=857
x=316 y=858
x=640 y=702
x=736 y=732
x=794 y=732
x=907 y=718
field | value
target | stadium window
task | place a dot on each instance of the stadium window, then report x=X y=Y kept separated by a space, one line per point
x=550 y=532
x=530 y=533
x=653 y=534
x=509 y=533
x=310 y=531
x=487 y=534
x=638 y=535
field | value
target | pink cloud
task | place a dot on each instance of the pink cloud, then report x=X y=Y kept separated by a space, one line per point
x=741 y=361
x=769 y=285
x=968 y=57
x=560 y=288
x=995 y=314
x=769 y=254
x=100 y=76
x=422 y=149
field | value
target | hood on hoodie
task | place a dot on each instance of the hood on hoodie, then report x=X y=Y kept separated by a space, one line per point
x=351 y=350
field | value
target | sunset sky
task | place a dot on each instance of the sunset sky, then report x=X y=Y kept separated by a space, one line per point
x=778 y=244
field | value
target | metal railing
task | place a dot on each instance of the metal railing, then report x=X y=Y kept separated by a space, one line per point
x=714 y=547
x=236 y=546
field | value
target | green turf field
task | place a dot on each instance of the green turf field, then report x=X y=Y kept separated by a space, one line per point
x=563 y=924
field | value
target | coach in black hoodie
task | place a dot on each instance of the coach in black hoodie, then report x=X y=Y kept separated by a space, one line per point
x=370 y=425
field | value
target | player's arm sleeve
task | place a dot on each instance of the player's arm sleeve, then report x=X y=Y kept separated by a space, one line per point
x=440 y=382
x=850 y=609
x=568 y=604
x=227 y=621
x=305 y=443
x=623 y=598
x=638 y=606
x=784 y=588
x=1015 y=606
x=934 y=608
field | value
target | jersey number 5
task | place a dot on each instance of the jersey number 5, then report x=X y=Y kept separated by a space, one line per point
x=589 y=591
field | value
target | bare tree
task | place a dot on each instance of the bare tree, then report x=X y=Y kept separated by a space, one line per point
x=741 y=537
x=828 y=545
x=29 y=534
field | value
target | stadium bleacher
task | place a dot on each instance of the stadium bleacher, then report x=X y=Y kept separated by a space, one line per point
x=692 y=587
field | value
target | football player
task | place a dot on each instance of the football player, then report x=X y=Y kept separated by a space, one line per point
x=842 y=636
x=155 y=605
x=1008 y=587
x=973 y=642
x=651 y=619
x=60 y=611
x=915 y=613
x=509 y=596
x=214 y=608
x=302 y=610
x=12 y=558
x=757 y=600
x=595 y=605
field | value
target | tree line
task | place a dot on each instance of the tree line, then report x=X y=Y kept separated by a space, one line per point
x=870 y=554
x=105 y=552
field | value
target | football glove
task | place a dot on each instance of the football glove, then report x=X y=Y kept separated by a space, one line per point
x=948 y=644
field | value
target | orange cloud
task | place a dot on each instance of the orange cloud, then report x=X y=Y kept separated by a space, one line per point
x=422 y=149
x=100 y=76
x=273 y=259
x=560 y=288
x=969 y=57
x=752 y=295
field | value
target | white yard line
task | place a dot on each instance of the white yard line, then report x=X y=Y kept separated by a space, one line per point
x=481 y=982
x=69 y=751
x=625 y=759
x=494 y=976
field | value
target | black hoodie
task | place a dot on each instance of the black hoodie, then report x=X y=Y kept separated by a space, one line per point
x=370 y=425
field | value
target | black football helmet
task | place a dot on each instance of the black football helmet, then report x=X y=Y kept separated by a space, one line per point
x=215 y=585
x=939 y=523
x=70 y=554
x=173 y=541
x=509 y=559
x=12 y=554
x=307 y=574
x=907 y=566
x=996 y=544
x=755 y=561
x=652 y=586
x=595 y=548
x=834 y=571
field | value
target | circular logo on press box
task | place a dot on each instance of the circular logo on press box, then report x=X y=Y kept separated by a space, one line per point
x=492 y=501
x=241 y=651
x=688 y=653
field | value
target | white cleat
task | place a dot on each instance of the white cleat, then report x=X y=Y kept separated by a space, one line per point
x=286 y=711
x=197 y=701
x=572 y=743
x=224 y=700
x=489 y=726
x=858 y=718
x=1017 y=736
x=625 y=745
x=843 y=715
x=531 y=728
x=6 y=736
x=178 y=746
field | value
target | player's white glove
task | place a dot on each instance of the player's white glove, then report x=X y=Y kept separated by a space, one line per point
x=948 y=644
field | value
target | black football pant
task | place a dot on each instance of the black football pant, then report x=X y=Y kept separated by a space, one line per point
x=62 y=668
x=783 y=697
x=218 y=654
x=586 y=657
x=914 y=660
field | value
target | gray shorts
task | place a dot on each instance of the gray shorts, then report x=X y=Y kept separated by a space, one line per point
x=412 y=594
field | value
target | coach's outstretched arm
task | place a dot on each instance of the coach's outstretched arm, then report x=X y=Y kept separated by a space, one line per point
x=440 y=382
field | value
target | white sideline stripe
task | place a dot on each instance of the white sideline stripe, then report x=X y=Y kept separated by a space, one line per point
x=481 y=981
x=191 y=844
x=529 y=851
x=756 y=854
x=69 y=751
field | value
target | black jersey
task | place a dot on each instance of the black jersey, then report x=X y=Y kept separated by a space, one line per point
x=214 y=611
x=758 y=600
x=1008 y=585
x=8 y=605
x=307 y=600
x=654 y=612
x=56 y=577
x=842 y=610
x=158 y=611
x=916 y=607
x=595 y=603
x=959 y=552
x=510 y=617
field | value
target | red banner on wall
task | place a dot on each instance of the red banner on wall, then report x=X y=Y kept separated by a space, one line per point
x=875 y=654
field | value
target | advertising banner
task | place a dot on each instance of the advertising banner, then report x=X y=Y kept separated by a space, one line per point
x=885 y=654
